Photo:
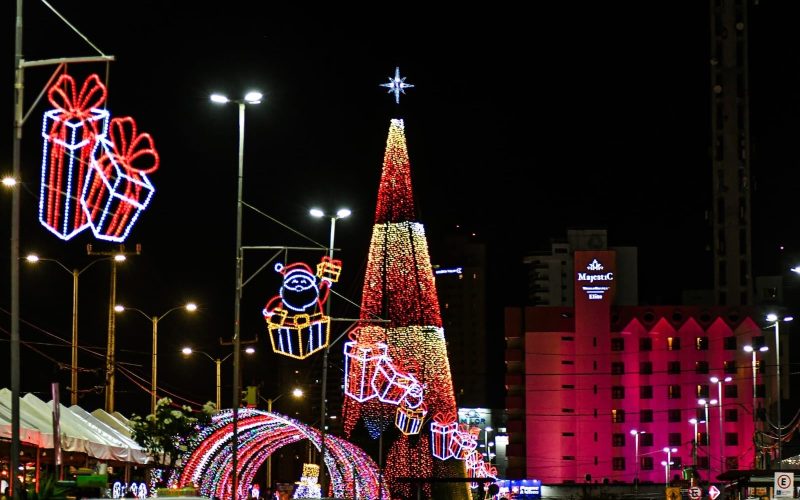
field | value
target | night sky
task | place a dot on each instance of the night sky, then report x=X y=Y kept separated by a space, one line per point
x=520 y=126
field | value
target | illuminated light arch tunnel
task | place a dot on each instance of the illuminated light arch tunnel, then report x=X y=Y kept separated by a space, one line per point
x=208 y=462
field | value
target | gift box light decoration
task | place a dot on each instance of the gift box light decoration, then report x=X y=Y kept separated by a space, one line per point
x=70 y=132
x=409 y=420
x=462 y=442
x=295 y=319
x=308 y=486
x=117 y=188
x=443 y=427
x=399 y=286
x=360 y=364
x=94 y=172
x=329 y=269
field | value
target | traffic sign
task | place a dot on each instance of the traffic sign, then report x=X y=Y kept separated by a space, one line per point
x=695 y=493
x=784 y=484
x=713 y=492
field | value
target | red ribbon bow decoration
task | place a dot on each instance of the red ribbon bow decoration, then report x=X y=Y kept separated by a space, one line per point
x=63 y=95
x=136 y=155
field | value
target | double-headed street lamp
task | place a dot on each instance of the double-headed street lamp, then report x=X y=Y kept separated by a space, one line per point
x=669 y=452
x=190 y=307
x=75 y=272
x=704 y=403
x=218 y=362
x=754 y=364
x=340 y=214
x=776 y=321
x=635 y=433
x=718 y=381
x=296 y=393
x=249 y=98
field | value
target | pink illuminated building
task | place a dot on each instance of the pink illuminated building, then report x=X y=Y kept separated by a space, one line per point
x=581 y=379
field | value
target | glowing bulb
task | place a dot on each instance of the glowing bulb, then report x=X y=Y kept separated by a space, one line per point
x=186 y=350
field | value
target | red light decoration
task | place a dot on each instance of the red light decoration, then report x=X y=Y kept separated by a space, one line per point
x=92 y=177
x=70 y=132
x=409 y=420
x=117 y=188
x=295 y=320
x=399 y=286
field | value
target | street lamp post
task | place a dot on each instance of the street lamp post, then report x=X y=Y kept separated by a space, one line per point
x=191 y=307
x=218 y=362
x=33 y=258
x=705 y=403
x=486 y=431
x=716 y=380
x=635 y=433
x=669 y=452
x=754 y=364
x=693 y=421
x=249 y=98
x=297 y=393
x=340 y=214
x=776 y=320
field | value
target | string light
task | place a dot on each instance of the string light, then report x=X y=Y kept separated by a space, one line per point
x=399 y=286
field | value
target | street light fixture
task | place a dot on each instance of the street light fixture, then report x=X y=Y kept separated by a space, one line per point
x=776 y=321
x=188 y=351
x=190 y=307
x=669 y=452
x=716 y=380
x=635 y=433
x=694 y=421
x=249 y=98
x=704 y=403
x=751 y=349
x=340 y=214
x=296 y=393
x=33 y=259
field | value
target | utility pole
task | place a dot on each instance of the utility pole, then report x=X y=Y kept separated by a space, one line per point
x=118 y=255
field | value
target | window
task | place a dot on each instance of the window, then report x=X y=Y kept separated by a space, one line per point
x=618 y=392
x=567 y=362
x=567 y=386
x=645 y=368
x=730 y=367
x=761 y=391
x=567 y=434
x=646 y=392
x=702 y=463
x=567 y=457
x=673 y=391
x=731 y=463
x=674 y=415
x=730 y=343
x=567 y=410
x=674 y=367
x=674 y=439
x=645 y=416
x=702 y=391
x=673 y=344
x=617 y=416
x=618 y=463
x=618 y=439
x=702 y=343
x=647 y=463
x=617 y=368
x=617 y=344
x=701 y=367
x=702 y=438
x=646 y=344
x=646 y=439
x=731 y=391
x=568 y=339
x=676 y=462
x=732 y=415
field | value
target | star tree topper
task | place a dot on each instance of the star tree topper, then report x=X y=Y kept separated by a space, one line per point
x=397 y=85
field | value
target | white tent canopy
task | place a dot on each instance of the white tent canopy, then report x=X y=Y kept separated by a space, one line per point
x=81 y=431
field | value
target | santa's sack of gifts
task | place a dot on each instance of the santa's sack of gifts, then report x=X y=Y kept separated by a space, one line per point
x=329 y=269
x=70 y=132
x=391 y=385
x=300 y=335
x=409 y=420
x=462 y=443
x=117 y=188
x=442 y=429
x=360 y=363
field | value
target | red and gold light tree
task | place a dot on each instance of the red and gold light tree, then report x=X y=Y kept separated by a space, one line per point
x=399 y=286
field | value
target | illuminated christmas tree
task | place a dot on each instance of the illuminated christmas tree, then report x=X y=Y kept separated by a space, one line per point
x=399 y=286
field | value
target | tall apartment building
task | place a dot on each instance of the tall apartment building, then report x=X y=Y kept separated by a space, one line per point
x=580 y=379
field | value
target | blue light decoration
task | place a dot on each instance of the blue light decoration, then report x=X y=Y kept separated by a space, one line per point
x=397 y=85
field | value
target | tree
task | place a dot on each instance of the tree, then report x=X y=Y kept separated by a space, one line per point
x=163 y=434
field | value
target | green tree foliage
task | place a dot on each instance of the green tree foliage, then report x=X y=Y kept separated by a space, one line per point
x=164 y=434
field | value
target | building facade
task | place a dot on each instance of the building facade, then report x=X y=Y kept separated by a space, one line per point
x=598 y=391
